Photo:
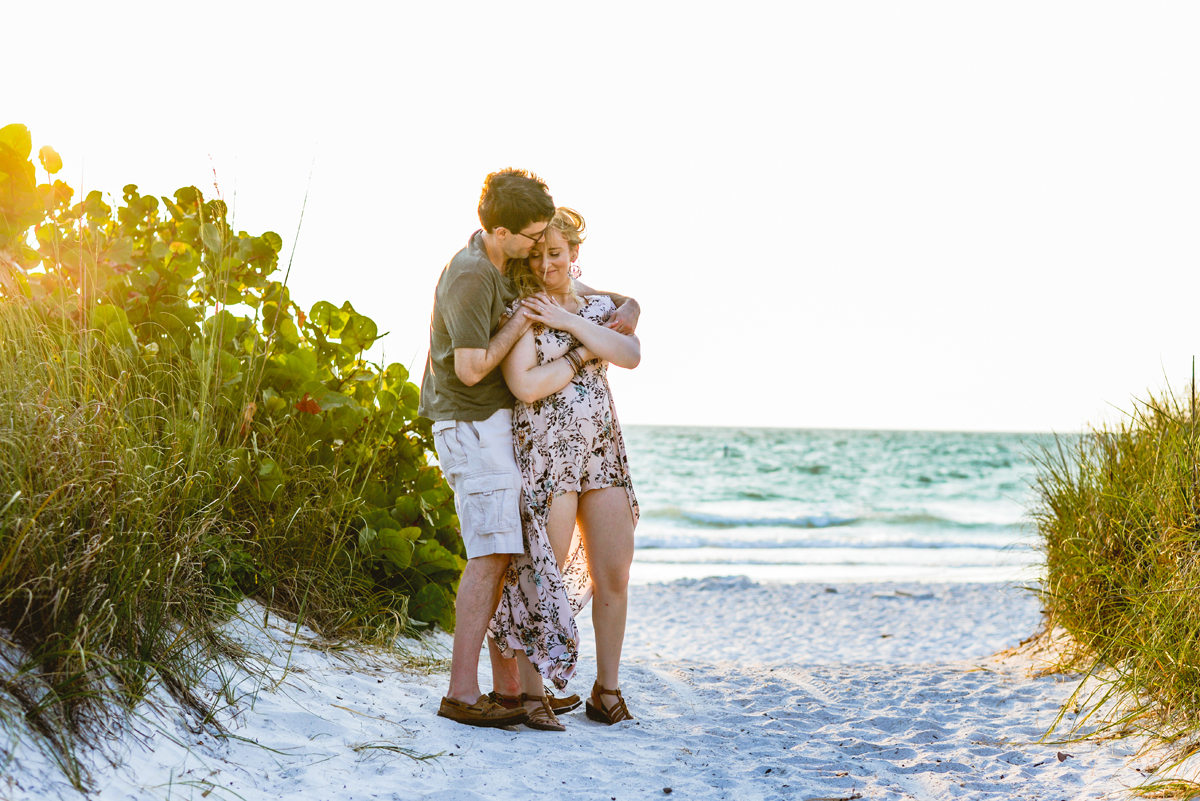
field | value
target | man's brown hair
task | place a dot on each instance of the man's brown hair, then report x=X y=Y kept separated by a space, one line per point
x=514 y=199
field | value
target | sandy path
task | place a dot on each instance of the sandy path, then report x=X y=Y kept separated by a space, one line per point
x=742 y=692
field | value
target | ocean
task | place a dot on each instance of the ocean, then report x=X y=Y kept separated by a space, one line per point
x=798 y=505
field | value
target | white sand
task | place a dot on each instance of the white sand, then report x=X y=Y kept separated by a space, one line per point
x=743 y=691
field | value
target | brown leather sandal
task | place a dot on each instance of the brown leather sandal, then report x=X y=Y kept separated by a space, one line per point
x=541 y=717
x=597 y=711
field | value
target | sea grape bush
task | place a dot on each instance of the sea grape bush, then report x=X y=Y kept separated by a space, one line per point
x=168 y=285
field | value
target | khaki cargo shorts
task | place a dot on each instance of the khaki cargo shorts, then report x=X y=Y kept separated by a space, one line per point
x=478 y=463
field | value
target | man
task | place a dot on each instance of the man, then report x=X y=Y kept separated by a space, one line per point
x=471 y=408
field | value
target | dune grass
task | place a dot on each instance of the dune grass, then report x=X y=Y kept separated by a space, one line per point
x=1119 y=517
x=127 y=535
x=108 y=520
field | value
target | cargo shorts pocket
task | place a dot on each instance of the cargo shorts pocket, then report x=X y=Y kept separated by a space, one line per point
x=490 y=501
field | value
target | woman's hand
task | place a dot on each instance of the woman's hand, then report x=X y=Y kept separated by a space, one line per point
x=541 y=308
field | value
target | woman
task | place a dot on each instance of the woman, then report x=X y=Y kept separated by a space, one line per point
x=578 y=510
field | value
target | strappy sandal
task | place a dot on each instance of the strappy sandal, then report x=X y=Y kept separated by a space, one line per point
x=541 y=717
x=597 y=711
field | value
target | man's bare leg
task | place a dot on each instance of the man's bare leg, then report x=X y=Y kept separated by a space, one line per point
x=506 y=677
x=478 y=597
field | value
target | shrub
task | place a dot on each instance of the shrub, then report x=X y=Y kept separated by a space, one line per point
x=179 y=433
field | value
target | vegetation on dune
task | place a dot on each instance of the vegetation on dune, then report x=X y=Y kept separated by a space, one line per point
x=177 y=433
x=1119 y=518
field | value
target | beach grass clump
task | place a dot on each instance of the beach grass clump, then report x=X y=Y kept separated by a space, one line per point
x=1119 y=517
x=177 y=434
x=107 y=530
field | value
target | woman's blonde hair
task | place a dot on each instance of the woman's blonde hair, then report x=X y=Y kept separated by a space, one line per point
x=570 y=224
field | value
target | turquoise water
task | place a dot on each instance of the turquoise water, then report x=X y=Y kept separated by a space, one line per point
x=833 y=506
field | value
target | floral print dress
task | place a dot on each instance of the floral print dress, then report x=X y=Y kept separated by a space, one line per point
x=566 y=442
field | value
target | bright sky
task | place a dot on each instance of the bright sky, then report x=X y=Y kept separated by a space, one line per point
x=834 y=214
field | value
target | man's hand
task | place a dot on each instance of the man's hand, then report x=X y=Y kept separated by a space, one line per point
x=625 y=319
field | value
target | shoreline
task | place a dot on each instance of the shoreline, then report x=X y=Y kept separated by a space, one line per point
x=742 y=691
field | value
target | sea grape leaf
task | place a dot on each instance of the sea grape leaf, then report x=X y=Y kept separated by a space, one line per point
x=120 y=251
x=359 y=332
x=396 y=547
x=366 y=537
x=411 y=396
x=435 y=562
x=16 y=137
x=231 y=366
x=325 y=315
x=50 y=159
x=211 y=236
x=308 y=405
x=333 y=400
x=406 y=509
x=395 y=374
x=269 y=479
x=112 y=323
x=432 y=604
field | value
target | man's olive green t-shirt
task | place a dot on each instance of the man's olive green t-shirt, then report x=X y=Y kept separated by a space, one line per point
x=471 y=297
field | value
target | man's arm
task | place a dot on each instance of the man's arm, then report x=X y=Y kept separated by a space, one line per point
x=472 y=364
x=625 y=319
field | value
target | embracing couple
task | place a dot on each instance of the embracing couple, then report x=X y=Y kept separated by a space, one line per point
x=528 y=439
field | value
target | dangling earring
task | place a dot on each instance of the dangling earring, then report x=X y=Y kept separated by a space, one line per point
x=575 y=272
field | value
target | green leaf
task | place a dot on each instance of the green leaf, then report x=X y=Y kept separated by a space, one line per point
x=365 y=537
x=396 y=547
x=222 y=327
x=396 y=374
x=359 y=333
x=211 y=236
x=432 y=604
x=120 y=251
x=230 y=365
x=50 y=159
x=269 y=479
x=436 y=562
x=333 y=400
x=329 y=317
x=16 y=137
x=406 y=509
x=410 y=396
x=113 y=324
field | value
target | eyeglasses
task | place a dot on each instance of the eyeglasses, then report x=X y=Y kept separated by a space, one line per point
x=534 y=239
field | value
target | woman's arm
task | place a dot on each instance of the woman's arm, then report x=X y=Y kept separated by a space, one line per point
x=530 y=381
x=623 y=350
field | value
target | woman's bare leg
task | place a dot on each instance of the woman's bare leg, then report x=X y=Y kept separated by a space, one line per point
x=505 y=678
x=606 y=523
x=560 y=524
